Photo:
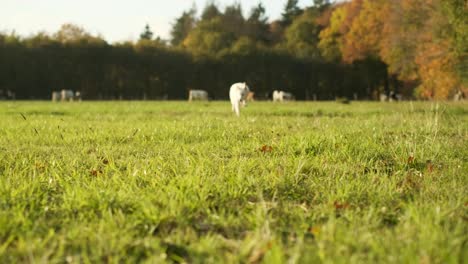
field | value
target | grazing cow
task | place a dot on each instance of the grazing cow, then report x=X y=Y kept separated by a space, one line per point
x=198 y=95
x=78 y=96
x=67 y=95
x=238 y=94
x=7 y=95
x=390 y=97
x=383 y=97
x=398 y=97
x=281 y=96
x=56 y=96
x=11 y=95
x=458 y=96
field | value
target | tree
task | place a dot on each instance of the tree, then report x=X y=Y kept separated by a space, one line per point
x=70 y=33
x=41 y=39
x=439 y=56
x=331 y=38
x=210 y=11
x=209 y=38
x=365 y=32
x=321 y=4
x=257 y=26
x=454 y=12
x=276 y=32
x=182 y=26
x=244 y=46
x=147 y=33
x=233 y=20
x=291 y=11
x=302 y=37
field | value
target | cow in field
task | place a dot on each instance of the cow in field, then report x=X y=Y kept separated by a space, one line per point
x=281 y=96
x=459 y=96
x=7 y=95
x=66 y=95
x=201 y=95
x=78 y=96
x=390 y=97
x=238 y=95
x=56 y=96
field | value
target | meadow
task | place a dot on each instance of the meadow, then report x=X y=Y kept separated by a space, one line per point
x=303 y=182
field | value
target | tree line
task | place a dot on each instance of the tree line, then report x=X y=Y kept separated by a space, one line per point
x=359 y=48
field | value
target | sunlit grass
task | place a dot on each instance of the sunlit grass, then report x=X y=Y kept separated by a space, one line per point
x=190 y=182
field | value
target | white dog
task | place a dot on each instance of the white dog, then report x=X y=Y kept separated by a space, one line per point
x=238 y=94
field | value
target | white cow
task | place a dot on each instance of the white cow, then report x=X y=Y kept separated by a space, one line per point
x=458 y=96
x=67 y=95
x=281 y=96
x=78 y=96
x=56 y=96
x=238 y=94
x=201 y=95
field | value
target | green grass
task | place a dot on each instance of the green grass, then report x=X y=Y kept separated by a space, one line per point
x=298 y=182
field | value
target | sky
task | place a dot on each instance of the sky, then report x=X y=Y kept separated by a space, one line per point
x=115 y=20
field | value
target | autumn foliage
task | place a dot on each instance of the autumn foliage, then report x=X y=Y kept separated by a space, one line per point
x=421 y=41
x=355 y=49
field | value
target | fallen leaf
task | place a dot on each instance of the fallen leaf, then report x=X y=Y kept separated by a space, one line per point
x=95 y=172
x=104 y=160
x=266 y=148
x=339 y=205
x=429 y=166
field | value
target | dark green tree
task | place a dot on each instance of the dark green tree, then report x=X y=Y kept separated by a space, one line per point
x=302 y=37
x=147 y=33
x=257 y=27
x=291 y=11
x=210 y=11
x=233 y=20
x=182 y=26
x=321 y=3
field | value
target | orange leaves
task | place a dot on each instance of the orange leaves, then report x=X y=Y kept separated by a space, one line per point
x=365 y=31
x=436 y=67
x=405 y=35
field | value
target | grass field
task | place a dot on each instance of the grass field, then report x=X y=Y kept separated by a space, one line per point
x=155 y=182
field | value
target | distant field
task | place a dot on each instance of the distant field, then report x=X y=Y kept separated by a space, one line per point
x=297 y=182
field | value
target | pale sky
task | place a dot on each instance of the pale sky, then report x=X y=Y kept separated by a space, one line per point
x=115 y=20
